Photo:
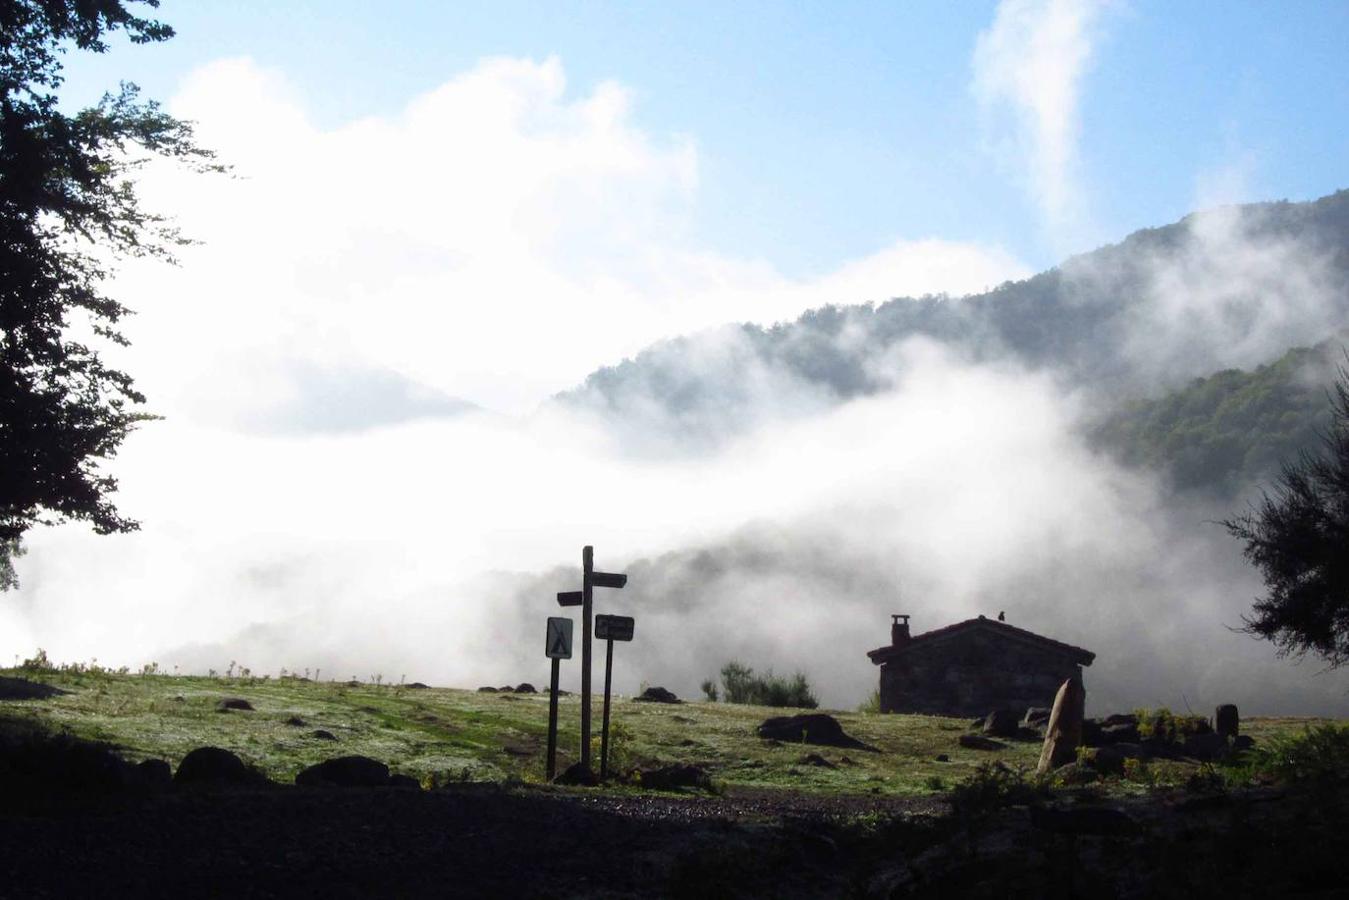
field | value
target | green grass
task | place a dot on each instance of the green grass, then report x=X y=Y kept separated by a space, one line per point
x=440 y=734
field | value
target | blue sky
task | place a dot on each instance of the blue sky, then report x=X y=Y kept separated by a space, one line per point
x=825 y=131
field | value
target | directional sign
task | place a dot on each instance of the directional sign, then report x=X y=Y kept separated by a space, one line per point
x=613 y=628
x=570 y=598
x=608 y=579
x=558 y=643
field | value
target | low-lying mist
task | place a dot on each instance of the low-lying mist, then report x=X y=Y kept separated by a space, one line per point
x=433 y=550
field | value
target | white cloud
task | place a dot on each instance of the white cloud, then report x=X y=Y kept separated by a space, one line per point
x=495 y=241
x=1028 y=68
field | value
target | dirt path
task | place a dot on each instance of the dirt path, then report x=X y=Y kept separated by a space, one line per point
x=456 y=842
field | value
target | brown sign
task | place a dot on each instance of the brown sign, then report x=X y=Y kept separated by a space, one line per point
x=608 y=579
x=613 y=628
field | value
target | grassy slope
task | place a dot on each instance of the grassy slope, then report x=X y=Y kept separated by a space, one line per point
x=442 y=733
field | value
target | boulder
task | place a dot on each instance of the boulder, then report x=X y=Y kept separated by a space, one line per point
x=658 y=695
x=979 y=742
x=505 y=689
x=815 y=759
x=525 y=687
x=1226 y=721
x=345 y=771
x=1036 y=717
x=418 y=686
x=811 y=728
x=577 y=774
x=1001 y=723
x=1091 y=732
x=1115 y=719
x=1206 y=747
x=942 y=757
x=487 y=689
x=406 y=782
x=321 y=735
x=1242 y=742
x=213 y=766
x=1063 y=735
x=296 y=722
x=1120 y=733
x=233 y=703
x=669 y=778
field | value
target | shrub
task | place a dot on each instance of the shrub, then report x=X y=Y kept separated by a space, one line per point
x=992 y=787
x=741 y=685
x=738 y=682
x=1164 y=725
x=709 y=688
x=38 y=662
x=1319 y=752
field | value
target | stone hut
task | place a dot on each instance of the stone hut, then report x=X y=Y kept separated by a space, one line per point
x=972 y=668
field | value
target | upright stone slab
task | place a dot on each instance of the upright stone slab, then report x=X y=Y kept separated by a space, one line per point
x=1064 y=733
x=1226 y=721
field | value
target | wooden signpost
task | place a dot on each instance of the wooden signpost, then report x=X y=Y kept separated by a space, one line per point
x=590 y=579
x=609 y=629
x=557 y=647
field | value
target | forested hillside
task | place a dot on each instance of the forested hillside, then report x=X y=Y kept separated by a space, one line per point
x=1154 y=316
x=1232 y=429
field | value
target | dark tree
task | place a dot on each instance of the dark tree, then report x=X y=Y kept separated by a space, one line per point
x=68 y=206
x=1299 y=539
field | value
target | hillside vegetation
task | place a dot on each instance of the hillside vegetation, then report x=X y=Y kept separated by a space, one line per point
x=1232 y=429
x=1082 y=319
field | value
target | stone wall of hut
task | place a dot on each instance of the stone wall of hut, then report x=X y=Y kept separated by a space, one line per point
x=972 y=674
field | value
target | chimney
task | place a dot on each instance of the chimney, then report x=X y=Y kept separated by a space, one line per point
x=899 y=630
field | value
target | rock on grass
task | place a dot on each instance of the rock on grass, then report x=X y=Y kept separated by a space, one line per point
x=811 y=728
x=345 y=771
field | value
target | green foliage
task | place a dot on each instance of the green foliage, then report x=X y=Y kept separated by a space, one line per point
x=1299 y=540
x=1318 y=752
x=872 y=704
x=38 y=662
x=68 y=210
x=1216 y=435
x=709 y=689
x=9 y=551
x=993 y=786
x=1162 y=724
x=1230 y=430
x=620 y=748
x=741 y=685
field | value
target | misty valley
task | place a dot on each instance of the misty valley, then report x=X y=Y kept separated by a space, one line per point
x=568 y=451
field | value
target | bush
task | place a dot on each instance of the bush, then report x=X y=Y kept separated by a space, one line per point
x=1164 y=725
x=741 y=685
x=1319 y=752
x=993 y=786
x=709 y=688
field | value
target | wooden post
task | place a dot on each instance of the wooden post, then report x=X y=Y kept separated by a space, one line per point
x=587 y=592
x=604 y=734
x=552 y=723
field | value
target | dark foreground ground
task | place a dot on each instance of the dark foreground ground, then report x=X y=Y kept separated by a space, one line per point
x=481 y=841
